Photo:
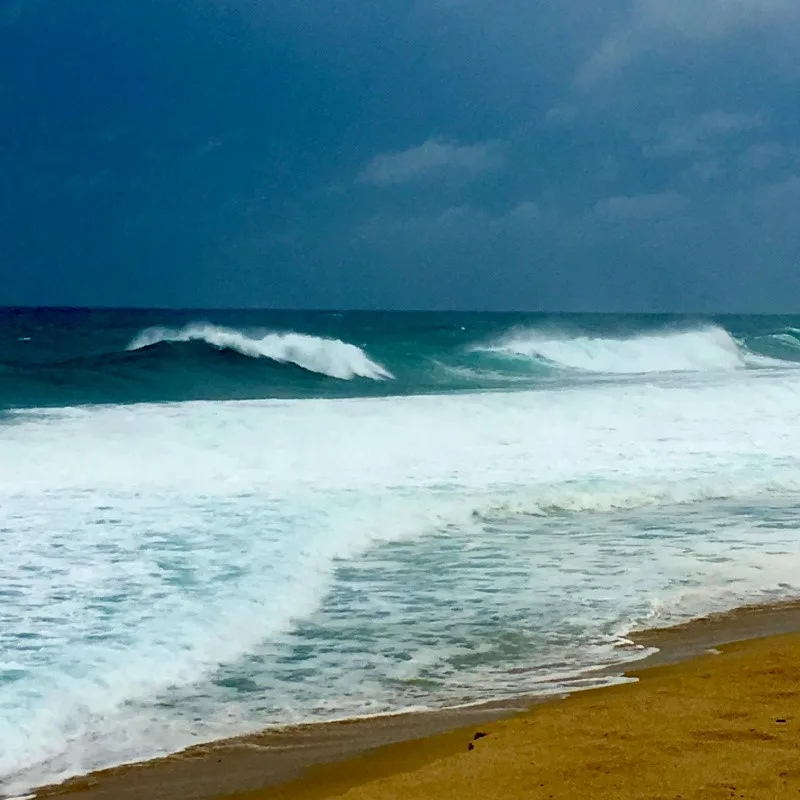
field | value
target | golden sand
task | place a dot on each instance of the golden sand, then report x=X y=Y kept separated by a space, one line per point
x=721 y=725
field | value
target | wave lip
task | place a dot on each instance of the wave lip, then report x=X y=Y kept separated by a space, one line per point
x=331 y=357
x=699 y=350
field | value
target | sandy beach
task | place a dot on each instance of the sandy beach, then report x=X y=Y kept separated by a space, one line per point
x=715 y=713
x=719 y=726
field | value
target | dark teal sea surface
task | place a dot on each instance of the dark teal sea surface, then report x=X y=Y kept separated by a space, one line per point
x=72 y=356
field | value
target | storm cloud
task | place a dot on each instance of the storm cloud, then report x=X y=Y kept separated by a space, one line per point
x=640 y=155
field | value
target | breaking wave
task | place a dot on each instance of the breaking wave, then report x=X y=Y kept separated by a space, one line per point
x=331 y=357
x=705 y=349
x=303 y=359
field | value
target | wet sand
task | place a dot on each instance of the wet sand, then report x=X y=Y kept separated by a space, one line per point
x=719 y=725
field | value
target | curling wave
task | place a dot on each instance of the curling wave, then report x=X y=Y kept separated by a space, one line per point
x=331 y=357
x=303 y=355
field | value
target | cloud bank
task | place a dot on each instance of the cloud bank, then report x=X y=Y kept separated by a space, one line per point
x=629 y=155
x=432 y=160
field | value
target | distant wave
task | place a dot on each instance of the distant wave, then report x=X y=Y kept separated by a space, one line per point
x=703 y=349
x=203 y=361
x=331 y=357
x=782 y=345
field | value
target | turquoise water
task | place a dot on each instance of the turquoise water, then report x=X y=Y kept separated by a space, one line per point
x=215 y=523
x=71 y=357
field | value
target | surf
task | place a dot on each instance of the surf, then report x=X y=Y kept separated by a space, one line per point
x=211 y=567
x=240 y=544
x=705 y=349
x=302 y=355
x=331 y=357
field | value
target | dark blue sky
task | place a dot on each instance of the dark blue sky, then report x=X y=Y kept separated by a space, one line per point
x=558 y=155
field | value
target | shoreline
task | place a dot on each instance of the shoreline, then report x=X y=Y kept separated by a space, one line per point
x=272 y=761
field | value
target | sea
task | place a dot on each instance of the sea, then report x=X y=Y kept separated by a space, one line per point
x=217 y=522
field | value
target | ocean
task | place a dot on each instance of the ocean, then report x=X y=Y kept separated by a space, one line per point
x=216 y=522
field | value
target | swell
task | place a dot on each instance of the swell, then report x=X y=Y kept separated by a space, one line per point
x=331 y=357
x=197 y=362
x=158 y=373
x=200 y=361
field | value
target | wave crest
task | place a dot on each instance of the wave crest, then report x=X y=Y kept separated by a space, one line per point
x=331 y=357
x=699 y=350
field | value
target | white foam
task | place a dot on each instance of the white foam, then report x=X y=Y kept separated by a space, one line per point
x=703 y=349
x=331 y=357
x=147 y=547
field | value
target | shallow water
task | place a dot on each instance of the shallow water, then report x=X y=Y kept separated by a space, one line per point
x=179 y=571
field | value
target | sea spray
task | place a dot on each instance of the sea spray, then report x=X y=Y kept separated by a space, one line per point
x=331 y=357
x=133 y=357
x=173 y=572
x=703 y=349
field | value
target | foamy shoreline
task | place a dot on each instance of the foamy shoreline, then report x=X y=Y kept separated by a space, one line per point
x=274 y=757
x=268 y=561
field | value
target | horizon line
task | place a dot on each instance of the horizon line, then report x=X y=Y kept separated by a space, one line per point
x=362 y=310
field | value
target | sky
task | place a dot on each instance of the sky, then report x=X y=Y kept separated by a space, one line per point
x=562 y=155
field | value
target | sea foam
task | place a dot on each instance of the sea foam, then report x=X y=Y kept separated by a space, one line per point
x=709 y=348
x=331 y=357
x=179 y=572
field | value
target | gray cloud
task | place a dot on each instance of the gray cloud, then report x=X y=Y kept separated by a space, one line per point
x=657 y=25
x=702 y=173
x=340 y=156
x=640 y=207
x=765 y=155
x=700 y=133
x=452 y=222
x=433 y=160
